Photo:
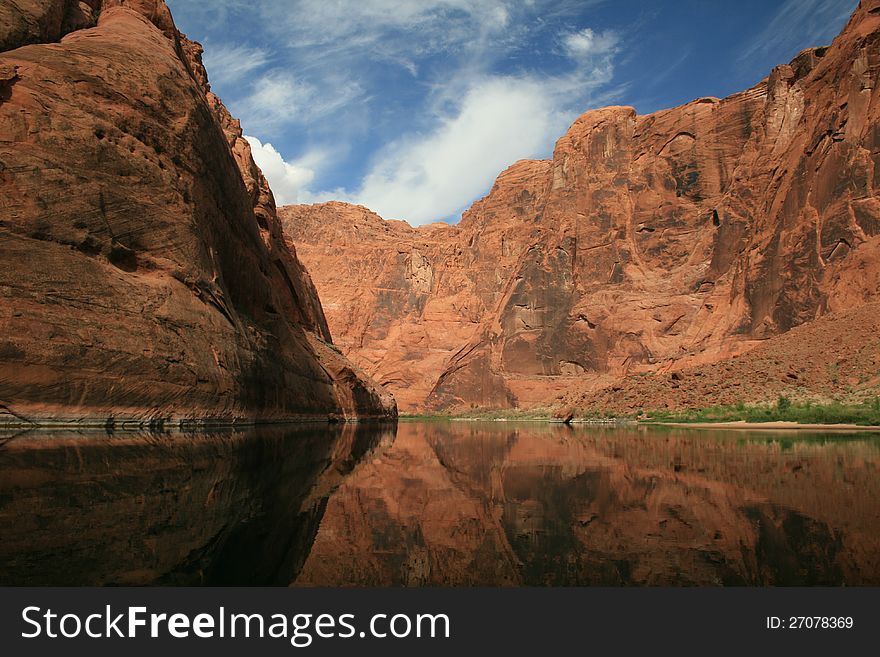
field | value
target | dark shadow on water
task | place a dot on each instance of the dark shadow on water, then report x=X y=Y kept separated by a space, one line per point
x=221 y=508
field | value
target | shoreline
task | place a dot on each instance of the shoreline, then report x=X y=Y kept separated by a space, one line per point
x=742 y=425
x=205 y=424
x=184 y=425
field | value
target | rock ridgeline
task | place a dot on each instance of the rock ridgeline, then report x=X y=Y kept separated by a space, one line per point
x=647 y=244
x=144 y=276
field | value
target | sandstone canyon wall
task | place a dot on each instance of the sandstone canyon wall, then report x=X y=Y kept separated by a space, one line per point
x=646 y=244
x=143 y=271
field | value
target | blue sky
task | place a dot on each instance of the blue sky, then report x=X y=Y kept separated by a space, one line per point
x=413 y=107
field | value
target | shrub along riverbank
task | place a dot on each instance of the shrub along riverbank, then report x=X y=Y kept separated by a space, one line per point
x=784 y=410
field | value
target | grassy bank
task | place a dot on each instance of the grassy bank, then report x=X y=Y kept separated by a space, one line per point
x=784 y=410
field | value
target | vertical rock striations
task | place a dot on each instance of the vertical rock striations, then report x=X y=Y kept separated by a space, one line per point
x=647 y=243
x=143 y=271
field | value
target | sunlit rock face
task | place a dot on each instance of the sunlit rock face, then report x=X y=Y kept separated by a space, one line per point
x=647 y=243
x=143 y=271
x=835 y=357
x=234 y=507
x=491 y=504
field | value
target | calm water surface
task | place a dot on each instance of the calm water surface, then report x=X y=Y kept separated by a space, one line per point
x=441 y=503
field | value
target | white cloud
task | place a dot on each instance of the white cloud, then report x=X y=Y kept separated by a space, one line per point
x=440 y=95
x=279 y=99
x=287 y=179
x=478 y=124
x=276 y=98
x=423 y=179
x=588 y=43
x=432 y=25
x=227 y=64
x=481 y=125
x=325 y=85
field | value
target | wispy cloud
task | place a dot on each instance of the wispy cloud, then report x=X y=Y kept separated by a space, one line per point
x=434 y=97
x=435 y=175
x=814 y=21
x=481 y=123
x=228 y=64
x=588 y=43
x=429 y=25
x=278 y=99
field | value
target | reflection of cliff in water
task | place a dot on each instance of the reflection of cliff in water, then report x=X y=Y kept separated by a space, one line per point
x=485 y=504
x=235 y=507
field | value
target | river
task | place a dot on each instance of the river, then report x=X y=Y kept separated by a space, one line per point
x=440 y=504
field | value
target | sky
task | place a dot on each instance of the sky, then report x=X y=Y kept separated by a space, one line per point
x=413 y=107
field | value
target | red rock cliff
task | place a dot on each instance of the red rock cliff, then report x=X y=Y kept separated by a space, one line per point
x=647 y=243
x=143 y=271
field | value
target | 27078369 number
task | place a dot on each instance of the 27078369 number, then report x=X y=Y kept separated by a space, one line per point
x=810 y=623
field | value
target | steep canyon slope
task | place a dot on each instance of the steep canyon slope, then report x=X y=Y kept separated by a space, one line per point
x=646 y=244
x=143 y=272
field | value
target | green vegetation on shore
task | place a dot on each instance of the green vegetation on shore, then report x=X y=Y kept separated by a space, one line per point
x=784 y=410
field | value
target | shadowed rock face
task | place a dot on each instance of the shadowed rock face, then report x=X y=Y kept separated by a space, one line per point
x=234 y=508
x=143 y=271
x=482 y=504
x=646 y=243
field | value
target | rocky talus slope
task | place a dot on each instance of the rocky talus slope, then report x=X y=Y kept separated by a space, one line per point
x=835 y=358
x=143 y=272
x=647 y=244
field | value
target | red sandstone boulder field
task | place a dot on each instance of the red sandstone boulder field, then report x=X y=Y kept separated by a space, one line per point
x=143 y=272
x=647 y=244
